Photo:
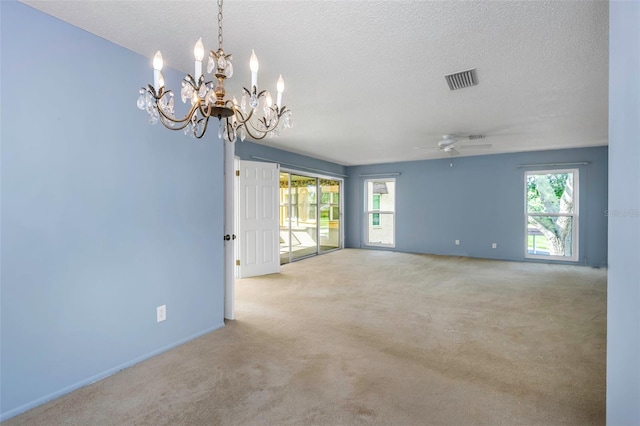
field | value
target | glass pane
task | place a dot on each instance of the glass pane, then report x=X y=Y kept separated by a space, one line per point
x=304 y=222
x=329 y=214
x=376 y=201
x=383 y=232
x=550 y=235
x=285 y=195
x=550 y=193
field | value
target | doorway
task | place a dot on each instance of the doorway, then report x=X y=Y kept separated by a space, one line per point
x=310 y=215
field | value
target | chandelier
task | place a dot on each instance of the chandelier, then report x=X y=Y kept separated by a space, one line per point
x=256 y=115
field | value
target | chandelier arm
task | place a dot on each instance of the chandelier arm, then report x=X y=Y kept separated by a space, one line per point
x=230 y=130
x=242 y=119
x=250 y=125
x=169 y=124
x=240 y=116
x=184 y=122
x=253 y=135
x=205 y=112
x=256 y=133
x=267 y=127
x=204 y=127
x=186 y=119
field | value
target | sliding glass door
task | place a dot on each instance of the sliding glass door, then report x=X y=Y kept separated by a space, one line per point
x=304 y=223
x=309 y=216
x=329 y=214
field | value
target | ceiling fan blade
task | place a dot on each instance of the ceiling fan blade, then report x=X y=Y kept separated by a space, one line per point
x=427 y=148
x=478 y=146
x=468 y=136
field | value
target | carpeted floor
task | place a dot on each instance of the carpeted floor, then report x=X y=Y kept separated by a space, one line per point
x=375 y=337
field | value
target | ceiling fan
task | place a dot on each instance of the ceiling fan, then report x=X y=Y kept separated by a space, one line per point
x=451 y=143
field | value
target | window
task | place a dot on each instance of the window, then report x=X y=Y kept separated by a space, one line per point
x=380 y=212
x=551 y=224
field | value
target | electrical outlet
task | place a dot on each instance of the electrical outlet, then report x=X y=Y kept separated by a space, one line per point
x=494 y=245
x=161 y=313
x=457 y=242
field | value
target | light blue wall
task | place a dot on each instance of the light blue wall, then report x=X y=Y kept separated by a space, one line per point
x=259 y=151
x=104 y=217
x=479 y=200
x=623 y=295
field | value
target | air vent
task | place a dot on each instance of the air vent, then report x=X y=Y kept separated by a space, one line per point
x=462 y=79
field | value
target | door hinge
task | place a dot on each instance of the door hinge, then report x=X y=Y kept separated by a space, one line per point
x=237 y=172
x=237 y=262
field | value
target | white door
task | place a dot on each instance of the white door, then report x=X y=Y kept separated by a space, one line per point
x=229 y=230
x=259 y=218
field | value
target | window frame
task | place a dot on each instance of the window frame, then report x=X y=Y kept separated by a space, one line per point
x=575 y=217
x=368 y=212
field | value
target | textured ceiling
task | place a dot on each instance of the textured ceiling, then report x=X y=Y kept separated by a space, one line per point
x=365 y=79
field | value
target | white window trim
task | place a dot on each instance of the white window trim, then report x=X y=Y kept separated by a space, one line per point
x=575 y=217
x=367 y=212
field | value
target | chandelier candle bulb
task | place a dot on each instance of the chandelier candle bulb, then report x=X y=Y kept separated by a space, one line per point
x=198 y=53
x=160 y=80
x=253 y=65
x=157 y=67
x=280 y=88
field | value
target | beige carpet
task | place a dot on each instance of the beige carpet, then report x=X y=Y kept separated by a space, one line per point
x=373 y=337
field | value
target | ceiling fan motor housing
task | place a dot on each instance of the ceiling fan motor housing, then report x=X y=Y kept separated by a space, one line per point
x=447 y=140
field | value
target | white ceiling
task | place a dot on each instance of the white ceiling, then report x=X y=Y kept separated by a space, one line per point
x=365 y=79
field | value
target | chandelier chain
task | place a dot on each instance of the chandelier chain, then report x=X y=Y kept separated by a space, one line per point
x=219 y=24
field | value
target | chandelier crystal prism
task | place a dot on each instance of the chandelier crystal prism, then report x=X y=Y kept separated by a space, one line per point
x=256 y=115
